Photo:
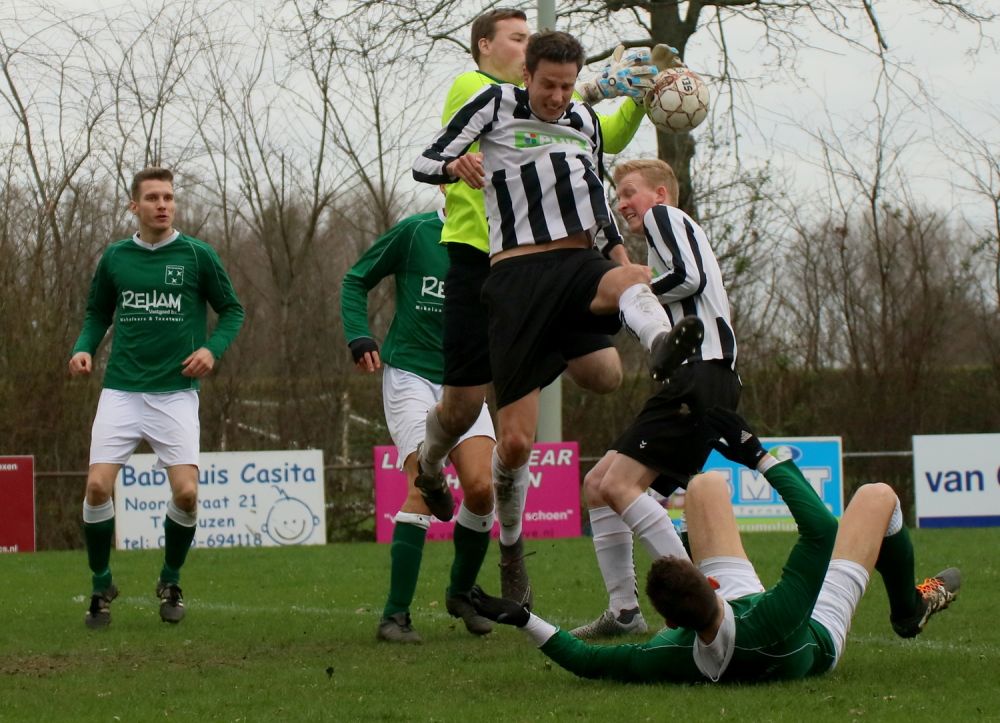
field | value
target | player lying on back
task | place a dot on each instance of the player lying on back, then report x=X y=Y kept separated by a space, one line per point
x=722 y=626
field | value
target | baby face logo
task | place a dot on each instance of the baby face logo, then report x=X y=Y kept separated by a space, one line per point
x=174 y=276
x=289 y=521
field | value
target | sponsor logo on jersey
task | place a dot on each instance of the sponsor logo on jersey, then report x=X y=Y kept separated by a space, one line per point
x=432 y=286
x=157 y=302
x=525 y=139
x=174 y=276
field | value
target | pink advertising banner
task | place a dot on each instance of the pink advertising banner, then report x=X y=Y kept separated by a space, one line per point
x=552 y=508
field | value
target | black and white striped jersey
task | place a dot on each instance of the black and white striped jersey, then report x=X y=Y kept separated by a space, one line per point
x=543 y=179
x=687 y=279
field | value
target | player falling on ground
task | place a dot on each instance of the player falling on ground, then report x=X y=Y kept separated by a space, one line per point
x=412 y=364
x=498 y=42
x=668 y=442
x=722 y=625
x=154 y=288
x=540 y=167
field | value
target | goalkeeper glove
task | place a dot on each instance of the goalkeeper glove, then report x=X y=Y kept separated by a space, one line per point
x=627 y=73
x=498 y=609
x=361 y=346
x=665 y=57
x=738 y=442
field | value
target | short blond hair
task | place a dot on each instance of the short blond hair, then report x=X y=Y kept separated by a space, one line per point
x=654 y=172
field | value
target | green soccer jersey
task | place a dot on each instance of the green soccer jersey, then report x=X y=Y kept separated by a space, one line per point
x=411 y=251
x=156 y=299
x=775 y=639
x=466 y=222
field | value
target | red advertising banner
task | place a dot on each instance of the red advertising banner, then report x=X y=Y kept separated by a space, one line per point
x=17 y=511
x=552 y=508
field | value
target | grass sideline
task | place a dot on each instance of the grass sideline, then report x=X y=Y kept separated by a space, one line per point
x=288 y=634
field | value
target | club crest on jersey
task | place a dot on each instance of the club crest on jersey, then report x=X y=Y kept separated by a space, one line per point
x=174 y=276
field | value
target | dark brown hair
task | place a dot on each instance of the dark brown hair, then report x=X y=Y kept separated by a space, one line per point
x=149 y=174
x=485 y=26
x=554 y=46
x=681 y=594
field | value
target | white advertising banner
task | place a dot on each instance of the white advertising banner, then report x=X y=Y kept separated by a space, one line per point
x=957 y=480
x=252 y=499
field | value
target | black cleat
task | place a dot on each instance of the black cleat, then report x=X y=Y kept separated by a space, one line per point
x=171 y=602
x=98 y=615
x=514 y=582
x=435 y=491
x=671 y=348
x=936 y=593
x=460 y=606
x=396 y=628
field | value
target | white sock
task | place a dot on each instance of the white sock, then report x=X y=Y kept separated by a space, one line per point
x=613 y=545
x=477 y=523
x=643 y=314
x=99 y=513
x=652 y=525
x=185 y=519
x=412 y=518
x=896 y=521
x=511 y=487
x=437 y=444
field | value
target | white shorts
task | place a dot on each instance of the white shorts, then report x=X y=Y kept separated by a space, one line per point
x=168 y=421
x=843 y=587
x=736 y=576
x=407 y=397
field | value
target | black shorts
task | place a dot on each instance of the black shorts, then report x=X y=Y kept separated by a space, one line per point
x=466 y=323
x=669 y=434
x=539 y=307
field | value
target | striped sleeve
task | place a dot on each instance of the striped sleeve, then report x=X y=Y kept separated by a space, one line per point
x=470 y=121
x=675 y=241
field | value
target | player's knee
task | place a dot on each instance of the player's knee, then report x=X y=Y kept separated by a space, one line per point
x=515 y=448
x=876 y=493
x=707 y=486
x=98 y=491
x=478 y=494
x=592 y=493
x=459 y=415
x=186 y=498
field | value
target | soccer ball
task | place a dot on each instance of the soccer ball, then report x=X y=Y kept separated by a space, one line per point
x=678 y=101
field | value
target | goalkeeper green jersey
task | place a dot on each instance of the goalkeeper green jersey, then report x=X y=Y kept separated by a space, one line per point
x=411 y=251
x=156 y=298
x=466 y=221
x=775 y=637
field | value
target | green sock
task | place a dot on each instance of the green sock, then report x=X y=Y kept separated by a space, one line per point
x=98 y=537
x=895 y=565
x=406 y=552
x=470 y=551
x=177 y=540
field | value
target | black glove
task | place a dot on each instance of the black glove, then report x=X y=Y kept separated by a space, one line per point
x=498 y=609
x=738 y=443
x=361 y=346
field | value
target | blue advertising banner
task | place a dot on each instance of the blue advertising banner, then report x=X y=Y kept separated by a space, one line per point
x=755 y=502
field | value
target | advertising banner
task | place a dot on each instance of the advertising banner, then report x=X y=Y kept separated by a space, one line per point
x=552 y=508
x=957 y=480
x=17 y=508
x=250 y=499
x=757 y=505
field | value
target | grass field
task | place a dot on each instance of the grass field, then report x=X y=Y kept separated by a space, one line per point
x=288 y=634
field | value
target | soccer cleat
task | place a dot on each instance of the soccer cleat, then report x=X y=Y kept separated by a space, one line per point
x=396 y=628
x=98 y=615
x=936 y=593
x=460 y=606
x=609 y=625
x=435 y=491
x=671 y=348
x=514 y=582
x=171 y=602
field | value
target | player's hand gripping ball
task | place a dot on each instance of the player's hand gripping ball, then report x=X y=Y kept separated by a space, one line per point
x=678 y=101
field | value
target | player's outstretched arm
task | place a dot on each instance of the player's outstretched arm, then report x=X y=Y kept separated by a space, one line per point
x=658 y=660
